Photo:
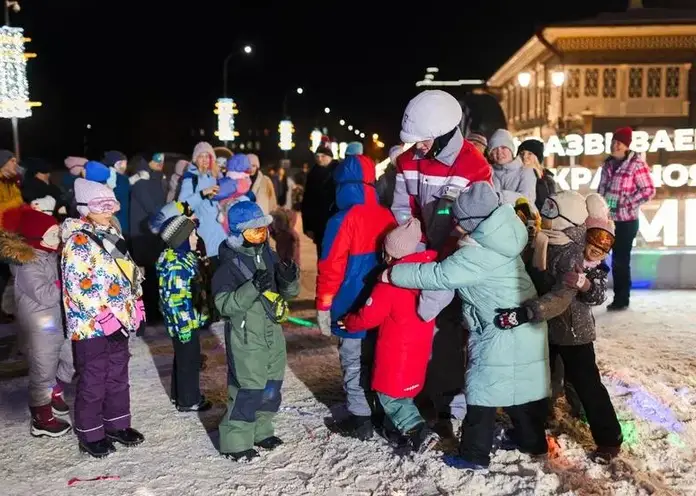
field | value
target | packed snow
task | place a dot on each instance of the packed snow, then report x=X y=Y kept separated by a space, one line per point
x=646 y=356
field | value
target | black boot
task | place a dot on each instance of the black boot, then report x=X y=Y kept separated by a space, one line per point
x=355 y=426
x=202 y=406
x=617 y=307
x=98 y=449
x=270 y=443
x=127 y=437
x=422 y=439
x=247 y=455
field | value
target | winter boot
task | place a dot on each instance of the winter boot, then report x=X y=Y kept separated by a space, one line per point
x=246 y=455
x=270 y=443
x=58 y=404
x=603 y=455
x=44 y=423
x=202 y=406
x=617 y=307
x=355 y=426
x=98 y=449
x=127 y=437
x=422 y=439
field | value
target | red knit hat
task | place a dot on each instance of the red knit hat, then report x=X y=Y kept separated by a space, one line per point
x=34 y=226
x=624 y=135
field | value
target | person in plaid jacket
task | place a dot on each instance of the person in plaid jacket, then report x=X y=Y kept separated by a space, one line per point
x=625 y=184
x=178 y=273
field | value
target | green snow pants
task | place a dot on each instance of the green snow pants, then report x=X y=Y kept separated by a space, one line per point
x=255 y=369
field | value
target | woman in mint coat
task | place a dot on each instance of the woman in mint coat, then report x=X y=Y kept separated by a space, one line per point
x=505 y=369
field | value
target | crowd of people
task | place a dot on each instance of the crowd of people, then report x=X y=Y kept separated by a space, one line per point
x=459 y=282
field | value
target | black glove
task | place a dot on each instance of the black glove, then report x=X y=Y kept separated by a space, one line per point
x=262 y=280
x=287 y=270
x=509 y=318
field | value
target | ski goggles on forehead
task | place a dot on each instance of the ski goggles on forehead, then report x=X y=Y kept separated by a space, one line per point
x=101 y=205
x=550 y=210
x=600 y=239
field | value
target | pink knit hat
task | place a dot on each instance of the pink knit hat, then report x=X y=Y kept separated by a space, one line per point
x=91 y=196
x=598 y=214
x=404 y=239
x=75 y=165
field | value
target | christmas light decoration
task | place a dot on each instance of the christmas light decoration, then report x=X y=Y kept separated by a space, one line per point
x=226 y=109
x=285 y=128
x=14 y=87
x=315 y=140
x=342 y=149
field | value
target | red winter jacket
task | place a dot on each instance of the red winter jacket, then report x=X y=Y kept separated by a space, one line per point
x=404 y=341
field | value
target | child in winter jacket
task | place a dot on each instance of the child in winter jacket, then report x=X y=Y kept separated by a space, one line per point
x=404 y=340
x=101 y=299
x=284 y=234
x=506 y=369
x=350 y=249
x=573 y=281
x=38 y=301
x=233 y=186
x=250 y=289
x=177 y=270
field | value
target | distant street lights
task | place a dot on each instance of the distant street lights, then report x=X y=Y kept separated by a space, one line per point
x=327 y=110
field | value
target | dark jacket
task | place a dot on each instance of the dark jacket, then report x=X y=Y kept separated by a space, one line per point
x=147 y=197
x=34 y=188
x=385 y=186
x=545 y=187
x=236 y=297
x=568 y=311
x=319 y=199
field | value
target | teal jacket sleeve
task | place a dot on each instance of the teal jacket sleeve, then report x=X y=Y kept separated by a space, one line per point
x=456 y=271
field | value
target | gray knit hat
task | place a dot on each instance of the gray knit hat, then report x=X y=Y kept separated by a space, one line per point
x=177 y=230
x=404 y=239
x=474 y=205
x=502 y=137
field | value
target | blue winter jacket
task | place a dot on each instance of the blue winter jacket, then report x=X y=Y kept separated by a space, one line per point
x=352 y=242
x=505 y=367
x=206 y=210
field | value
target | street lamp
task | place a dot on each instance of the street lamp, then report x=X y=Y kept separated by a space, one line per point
x=524 y=79
x=299 y=91
x=247 y=50
x=327 y=110
x=342 y=122
x=350 y=127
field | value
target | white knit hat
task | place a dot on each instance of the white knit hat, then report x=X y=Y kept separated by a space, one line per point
x=431 y=114
x=47 y=204
x=404 y=239
x=502 y=137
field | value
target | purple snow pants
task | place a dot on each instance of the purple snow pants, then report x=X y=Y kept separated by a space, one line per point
x=102 y=396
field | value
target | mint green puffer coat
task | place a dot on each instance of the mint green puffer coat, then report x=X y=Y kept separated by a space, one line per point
x=505 y=368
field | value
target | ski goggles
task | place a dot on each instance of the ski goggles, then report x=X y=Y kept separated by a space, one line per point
x=101 y=205
x=550 y=210
x=600 y=239
x=158 y=157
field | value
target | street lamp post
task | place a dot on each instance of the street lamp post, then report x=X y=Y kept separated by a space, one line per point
x=247 y=50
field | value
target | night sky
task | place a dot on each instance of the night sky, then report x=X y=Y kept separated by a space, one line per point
x=146 y=73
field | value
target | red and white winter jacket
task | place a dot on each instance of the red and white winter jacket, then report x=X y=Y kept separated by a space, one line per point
x=404 y=340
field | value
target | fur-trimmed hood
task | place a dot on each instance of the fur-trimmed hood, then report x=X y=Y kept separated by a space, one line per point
x=14 y=250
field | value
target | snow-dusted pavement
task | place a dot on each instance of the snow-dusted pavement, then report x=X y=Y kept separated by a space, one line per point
x=647 y=355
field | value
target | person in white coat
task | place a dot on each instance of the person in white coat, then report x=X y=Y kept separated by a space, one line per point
x=262 y=186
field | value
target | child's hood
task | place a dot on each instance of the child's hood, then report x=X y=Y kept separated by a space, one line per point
x=71 y=226
x=502 y=232
x=14 y=250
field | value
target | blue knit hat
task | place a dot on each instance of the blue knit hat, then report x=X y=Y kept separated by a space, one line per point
x=239 y=163
x=242 y=216
x=97 y=172
x=354 y=148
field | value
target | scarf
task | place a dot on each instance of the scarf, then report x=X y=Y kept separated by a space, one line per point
x=543 y=239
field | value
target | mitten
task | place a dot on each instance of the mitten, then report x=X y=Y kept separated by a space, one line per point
x=324 y=321
x=262 y=280
x=509 y=318
x=111 y=326
x=287 y=270
x=577 y=280
x=58 y=284
x=141 y=317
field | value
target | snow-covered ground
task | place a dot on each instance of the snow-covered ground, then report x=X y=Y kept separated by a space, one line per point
x=647 y=355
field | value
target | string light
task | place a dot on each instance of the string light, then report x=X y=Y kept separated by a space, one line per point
x=14 y=87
